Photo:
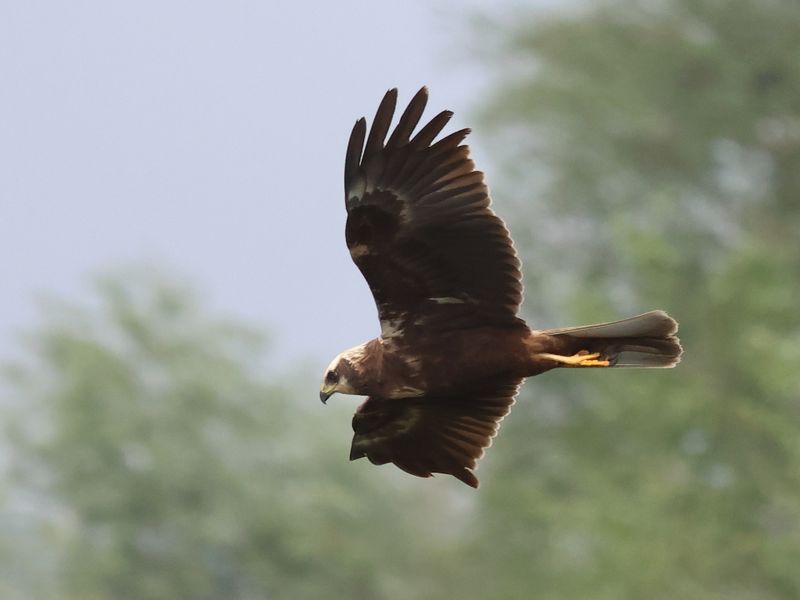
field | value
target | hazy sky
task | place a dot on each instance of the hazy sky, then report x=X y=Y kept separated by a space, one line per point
x=207 y=137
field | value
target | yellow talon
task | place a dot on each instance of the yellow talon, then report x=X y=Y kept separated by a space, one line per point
x=594 y=363
x=581 y=359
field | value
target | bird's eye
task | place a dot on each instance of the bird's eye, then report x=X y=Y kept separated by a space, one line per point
x=331 y=377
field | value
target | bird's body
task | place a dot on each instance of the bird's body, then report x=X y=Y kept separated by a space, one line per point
x=446 y=281
x=435 y=363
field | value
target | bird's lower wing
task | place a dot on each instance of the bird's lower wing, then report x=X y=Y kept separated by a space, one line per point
x=428 y=435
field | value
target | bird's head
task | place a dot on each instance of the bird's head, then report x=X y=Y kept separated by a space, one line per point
x=340 y=375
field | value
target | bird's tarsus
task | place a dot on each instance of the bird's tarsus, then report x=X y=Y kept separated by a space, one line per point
x=579 y=359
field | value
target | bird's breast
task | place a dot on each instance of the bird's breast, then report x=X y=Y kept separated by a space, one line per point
x=454 y=360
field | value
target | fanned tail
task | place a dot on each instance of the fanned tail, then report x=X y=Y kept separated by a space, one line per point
x=646 y=340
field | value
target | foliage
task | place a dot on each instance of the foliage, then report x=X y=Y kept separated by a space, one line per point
x=670 y=138
x=165 y=466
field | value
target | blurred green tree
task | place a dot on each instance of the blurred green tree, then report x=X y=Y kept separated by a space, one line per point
x=156 y=460
x=651 y=153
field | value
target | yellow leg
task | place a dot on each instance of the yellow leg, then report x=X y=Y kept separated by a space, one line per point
x=581 y=359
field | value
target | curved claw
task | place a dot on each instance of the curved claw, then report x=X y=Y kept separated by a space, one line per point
x=580 y=359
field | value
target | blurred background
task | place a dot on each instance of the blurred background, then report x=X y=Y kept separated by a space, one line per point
x=175 y=279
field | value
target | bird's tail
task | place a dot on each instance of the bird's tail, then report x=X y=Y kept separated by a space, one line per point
x=647 y=340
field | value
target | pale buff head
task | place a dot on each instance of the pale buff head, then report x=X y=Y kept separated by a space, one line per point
x=341 y=376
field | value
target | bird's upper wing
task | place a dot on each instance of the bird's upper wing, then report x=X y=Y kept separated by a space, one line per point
x=430 y=435
x=420 y=229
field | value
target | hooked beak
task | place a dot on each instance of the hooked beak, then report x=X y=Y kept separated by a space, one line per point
x=324 y=394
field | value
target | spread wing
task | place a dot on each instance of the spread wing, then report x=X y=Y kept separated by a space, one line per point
x=430 y=435
x=420 y=229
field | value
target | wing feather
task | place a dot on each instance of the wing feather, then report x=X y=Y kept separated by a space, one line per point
x=428 y=435
x=381 y=124
x=353 y=154
x=420 y=225
x=409 y=120
x=429 y=132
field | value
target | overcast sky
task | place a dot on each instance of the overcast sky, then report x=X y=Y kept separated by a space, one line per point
x=207 y=137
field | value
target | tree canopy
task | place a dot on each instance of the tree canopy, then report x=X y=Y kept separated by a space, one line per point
x=652 y=151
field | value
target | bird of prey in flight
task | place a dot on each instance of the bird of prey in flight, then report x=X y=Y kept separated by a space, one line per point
x=446 y=280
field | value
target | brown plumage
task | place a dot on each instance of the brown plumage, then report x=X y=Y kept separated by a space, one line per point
x=447 y=284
